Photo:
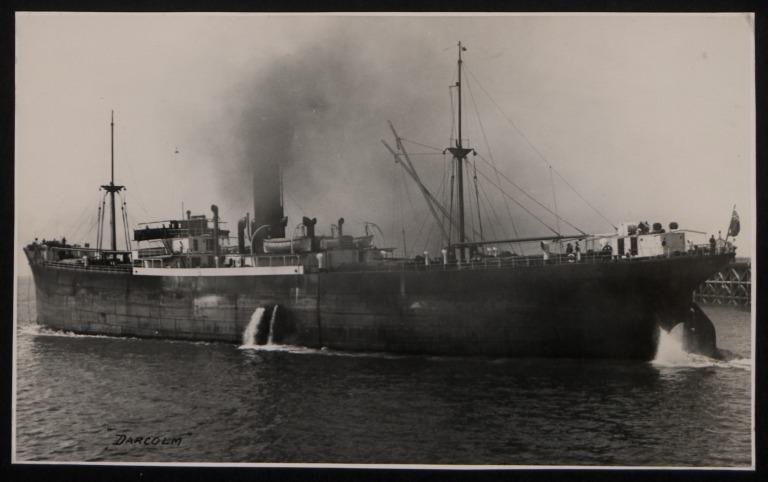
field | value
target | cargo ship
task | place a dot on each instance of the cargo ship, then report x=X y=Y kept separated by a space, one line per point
x=608 y=297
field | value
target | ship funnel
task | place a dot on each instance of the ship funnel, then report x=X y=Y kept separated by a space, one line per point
x=189 y=214
x=267 y=197
x=341 y=228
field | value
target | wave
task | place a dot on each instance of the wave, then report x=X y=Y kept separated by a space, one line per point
x=37 y=330
x=302 y=350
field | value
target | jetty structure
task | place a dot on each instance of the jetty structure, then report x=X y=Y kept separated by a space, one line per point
x=607 y=297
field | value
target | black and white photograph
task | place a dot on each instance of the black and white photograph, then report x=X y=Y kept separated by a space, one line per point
x=385 y=240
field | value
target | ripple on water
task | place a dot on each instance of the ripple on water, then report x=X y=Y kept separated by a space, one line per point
x=291 y=404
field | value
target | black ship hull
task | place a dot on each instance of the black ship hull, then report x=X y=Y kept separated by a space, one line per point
x=606 y=309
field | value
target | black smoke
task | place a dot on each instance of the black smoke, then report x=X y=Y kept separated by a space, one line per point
x=317 y=116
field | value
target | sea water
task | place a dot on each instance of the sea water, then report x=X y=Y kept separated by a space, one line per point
x=98 y=398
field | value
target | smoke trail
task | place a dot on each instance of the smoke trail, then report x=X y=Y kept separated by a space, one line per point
x=317 y=116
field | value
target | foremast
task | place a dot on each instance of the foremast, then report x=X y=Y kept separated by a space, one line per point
x=112 y=188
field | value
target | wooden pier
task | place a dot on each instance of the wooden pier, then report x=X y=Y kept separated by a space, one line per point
x=730 y=287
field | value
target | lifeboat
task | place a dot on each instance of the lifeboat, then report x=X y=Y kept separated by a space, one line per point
x=287 y=245
x=363 y=242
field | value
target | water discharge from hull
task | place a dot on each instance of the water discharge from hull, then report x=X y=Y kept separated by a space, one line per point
x=271 y=336
x=250 y=332
x=669 y=350
x=260 y=330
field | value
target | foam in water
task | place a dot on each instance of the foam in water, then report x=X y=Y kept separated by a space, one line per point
x=670 y=354
x=669 y=350
x=249 y=335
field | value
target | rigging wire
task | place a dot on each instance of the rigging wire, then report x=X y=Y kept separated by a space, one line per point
x=81 y=223
x=470 y=218
x=101 y=220
x=403 y=187
x=126 y=228
x=441 y=192
x=450 y=211
x=87 y=234
x=441 y=208
x=78 y=224
x=490 y=154
x=136 y=190
x=443 y=200
x=504 y=193
x=493 y=211
x=395 y=197
x=132 y=221
x=477 y=201
x=554 y=197
x=533 y=147
x=429 y=236
x=122 y=219
x=425 y=245
x=421 y=145
x=543 y=206
x=98 y=230
x=407 y=192
x=417 y=238
x=518 y=203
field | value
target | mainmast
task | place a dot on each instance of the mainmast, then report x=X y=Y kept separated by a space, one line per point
x=459 y=154
x=111 y=188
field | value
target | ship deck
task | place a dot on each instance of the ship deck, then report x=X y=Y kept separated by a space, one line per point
x=484 y=263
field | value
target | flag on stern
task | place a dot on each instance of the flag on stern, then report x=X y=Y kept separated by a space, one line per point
x=735 y=226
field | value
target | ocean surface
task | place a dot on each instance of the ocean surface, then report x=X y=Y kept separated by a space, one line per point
x=102 y=399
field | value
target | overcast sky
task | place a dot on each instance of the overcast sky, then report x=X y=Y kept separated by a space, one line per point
x=648 y=117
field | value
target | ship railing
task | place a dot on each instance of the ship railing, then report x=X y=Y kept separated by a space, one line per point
x=490 y=262
x=277 y=260
x=148 y=252
x=74 y=248
x=72 y=252
x=91 y=267
x=148 y=234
